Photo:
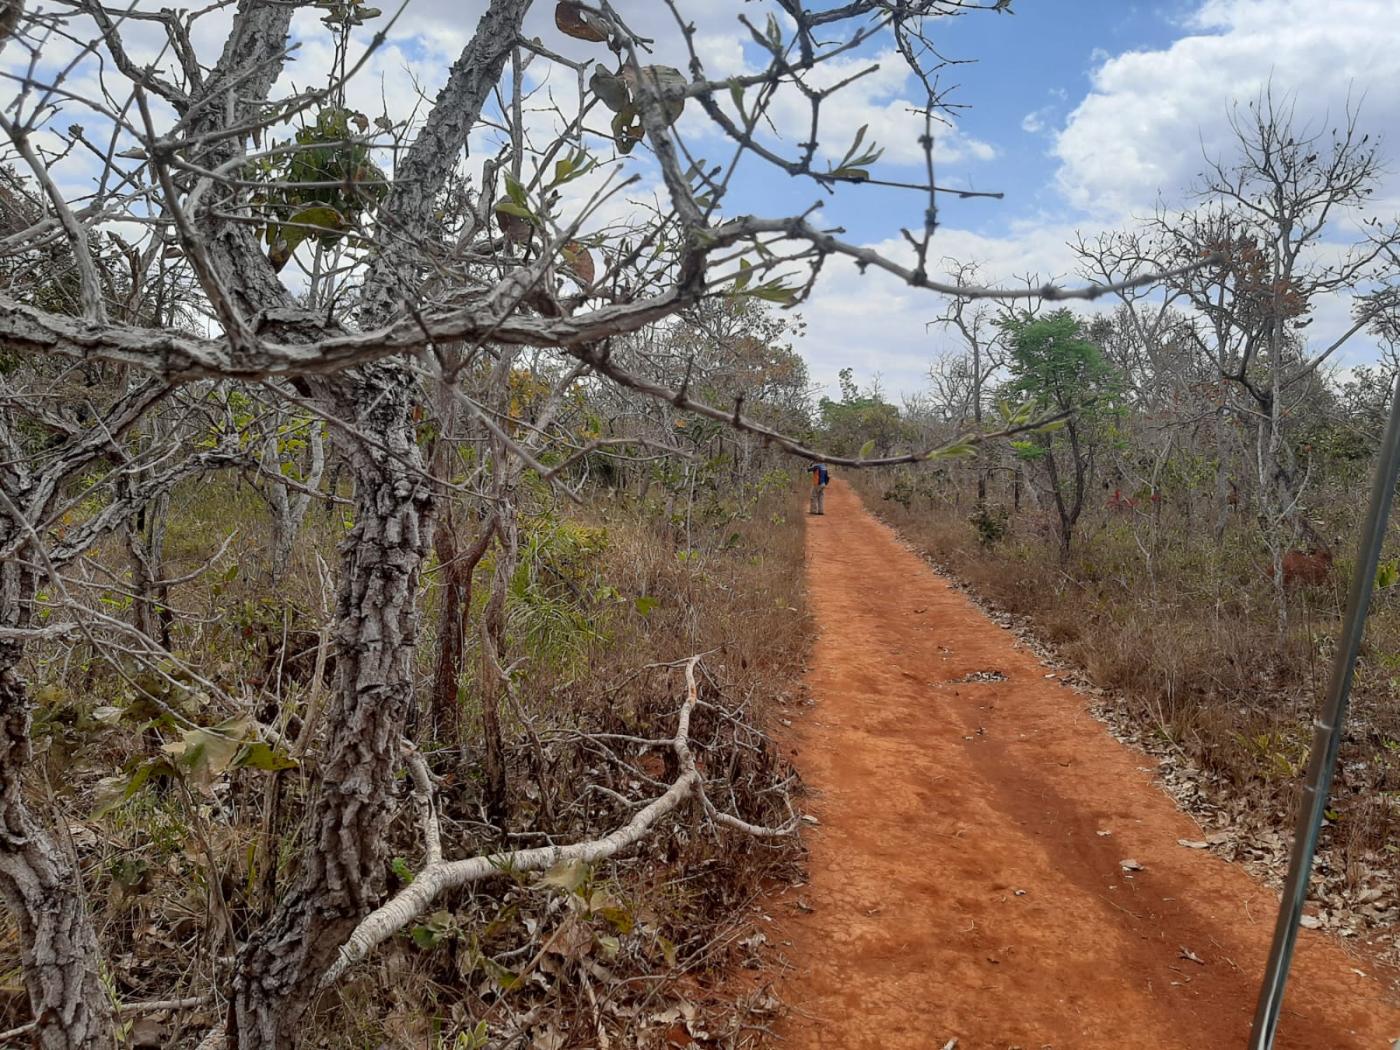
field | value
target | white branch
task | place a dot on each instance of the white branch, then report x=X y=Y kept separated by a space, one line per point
x=439 y=876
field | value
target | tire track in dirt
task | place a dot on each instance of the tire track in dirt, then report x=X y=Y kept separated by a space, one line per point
x=960 y=883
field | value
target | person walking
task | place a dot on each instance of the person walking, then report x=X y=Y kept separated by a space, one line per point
x=820 y=478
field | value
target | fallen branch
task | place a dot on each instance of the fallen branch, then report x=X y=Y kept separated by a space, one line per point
x=124 y=1010
x=438 y=876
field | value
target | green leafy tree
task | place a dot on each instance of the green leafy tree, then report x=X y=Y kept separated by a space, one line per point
x=861 y=420
x=1056 y=364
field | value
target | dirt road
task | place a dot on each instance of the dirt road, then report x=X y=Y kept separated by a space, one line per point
x=966 y=873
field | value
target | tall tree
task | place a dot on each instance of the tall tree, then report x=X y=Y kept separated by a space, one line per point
x=1054 y=363
x=1269 y=216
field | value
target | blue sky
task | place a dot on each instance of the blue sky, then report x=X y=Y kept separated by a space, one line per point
x=1035 y=62
x=1019 y=76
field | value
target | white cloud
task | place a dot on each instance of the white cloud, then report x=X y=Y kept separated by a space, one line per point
x=1150 y=114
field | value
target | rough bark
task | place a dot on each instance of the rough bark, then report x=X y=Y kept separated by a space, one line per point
x=58 y=949
x=343 y=867
x=38 y=882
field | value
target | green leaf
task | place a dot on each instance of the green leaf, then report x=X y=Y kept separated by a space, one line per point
x=610 y=89
x=775 y=292
x=627 y=129
x=851 y=174
x=518 y=210
x=400 y=867
x=867 y=449
x=1028 y=451
x=744 y=276
x=645 y=604
x=860 y=137
x=259 y=755
x=321 y=216
x=736 y=95
x=568 y=876
x=953 y=451
x=440 y=927
x=515 y=191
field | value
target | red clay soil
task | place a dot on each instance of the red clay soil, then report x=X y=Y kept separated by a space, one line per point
x=962 y=885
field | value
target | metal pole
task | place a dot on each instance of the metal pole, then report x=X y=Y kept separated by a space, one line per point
x=1327 y=736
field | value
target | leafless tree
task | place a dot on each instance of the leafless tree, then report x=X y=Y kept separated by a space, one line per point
x=1267 y=212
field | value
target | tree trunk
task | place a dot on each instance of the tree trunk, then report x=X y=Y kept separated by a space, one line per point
x=1065 y=515
x=1222 y=477
x=458 y=570
x=289 y=506
x=343 y=868
x=145 y=539
x=41 y=889
x=493 y=638
x=38 y=883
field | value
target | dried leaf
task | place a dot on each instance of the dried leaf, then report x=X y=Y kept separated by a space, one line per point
x=515 y=226
x=567 y=876
x=578 y=260
x=660 y=78
x=573 y=21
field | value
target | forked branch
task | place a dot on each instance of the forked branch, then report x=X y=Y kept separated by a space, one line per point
x=439 y=876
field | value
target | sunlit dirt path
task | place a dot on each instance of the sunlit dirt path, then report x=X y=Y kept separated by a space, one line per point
x=962 y=885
